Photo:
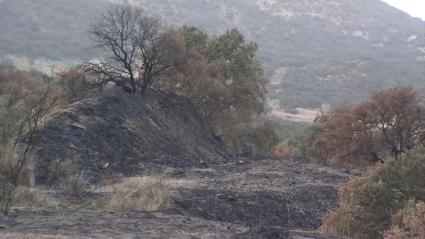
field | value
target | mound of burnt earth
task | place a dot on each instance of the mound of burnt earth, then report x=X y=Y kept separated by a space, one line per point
x=274 y=193
x=128 y=134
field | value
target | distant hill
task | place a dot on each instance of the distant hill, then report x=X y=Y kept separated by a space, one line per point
x=316 y=52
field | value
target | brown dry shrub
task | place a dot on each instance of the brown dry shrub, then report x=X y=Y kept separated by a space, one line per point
x=145 y=194
x=285 y=151
x=267 y=137
x=368 y=203
x=409 y=223
x=74 y=85
x=76 y=186
x=65 y=175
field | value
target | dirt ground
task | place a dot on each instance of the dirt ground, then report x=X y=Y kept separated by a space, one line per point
x=257 y=199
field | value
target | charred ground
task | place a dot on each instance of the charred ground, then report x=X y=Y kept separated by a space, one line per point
x=222 y=197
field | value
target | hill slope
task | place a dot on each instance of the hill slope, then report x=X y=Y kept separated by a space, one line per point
x=161 y=134
x=316 y=52
x=129 y=134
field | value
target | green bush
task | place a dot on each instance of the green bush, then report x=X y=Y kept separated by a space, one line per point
x=368 y=203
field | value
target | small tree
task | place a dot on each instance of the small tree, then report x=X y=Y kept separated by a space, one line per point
x=24 y=105
x=135 y=48
x=399 y=115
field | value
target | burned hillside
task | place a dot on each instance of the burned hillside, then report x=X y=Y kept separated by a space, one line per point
x=126 y=133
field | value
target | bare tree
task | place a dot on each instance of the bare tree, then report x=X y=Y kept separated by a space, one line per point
x=135 y=46
x=22 y=114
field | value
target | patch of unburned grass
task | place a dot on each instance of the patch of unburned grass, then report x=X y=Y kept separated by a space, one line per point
x=145 y=194
x=33 y=197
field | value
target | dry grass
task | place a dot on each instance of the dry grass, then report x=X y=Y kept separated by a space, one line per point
x=33 y=197
x=76 y=186
x=145 y=194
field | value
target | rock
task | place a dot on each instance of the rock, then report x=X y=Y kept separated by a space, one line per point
x=203 y=164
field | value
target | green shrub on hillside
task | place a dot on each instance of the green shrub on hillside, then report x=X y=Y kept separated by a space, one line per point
x=409 y=223
x=368 y=203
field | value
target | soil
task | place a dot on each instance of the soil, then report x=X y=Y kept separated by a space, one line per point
x=266 y=198
x=222 y=197
x=130 y=133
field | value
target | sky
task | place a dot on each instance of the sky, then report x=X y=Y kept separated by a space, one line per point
x=415 y=8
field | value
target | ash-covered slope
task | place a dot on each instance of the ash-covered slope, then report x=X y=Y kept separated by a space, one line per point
x=260 y=199
x=130 y=134
x=315 y=51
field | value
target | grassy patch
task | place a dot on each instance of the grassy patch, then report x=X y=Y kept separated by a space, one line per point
x=33 y=197
x=145 y=194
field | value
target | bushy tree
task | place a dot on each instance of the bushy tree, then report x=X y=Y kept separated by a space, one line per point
x=223 y=78
x=390 y=123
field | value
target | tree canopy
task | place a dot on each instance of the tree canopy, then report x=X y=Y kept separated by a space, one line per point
x=221 y=75
x=223 y=78
x=390 y=123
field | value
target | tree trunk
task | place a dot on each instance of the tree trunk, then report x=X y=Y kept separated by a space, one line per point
x=31 y=174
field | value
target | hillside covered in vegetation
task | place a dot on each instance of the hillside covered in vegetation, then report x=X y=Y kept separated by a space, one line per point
x=163 y=130
x=315 y=52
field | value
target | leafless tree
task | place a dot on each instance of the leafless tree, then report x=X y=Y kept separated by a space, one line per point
x=21 y=124
x=135 y=47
